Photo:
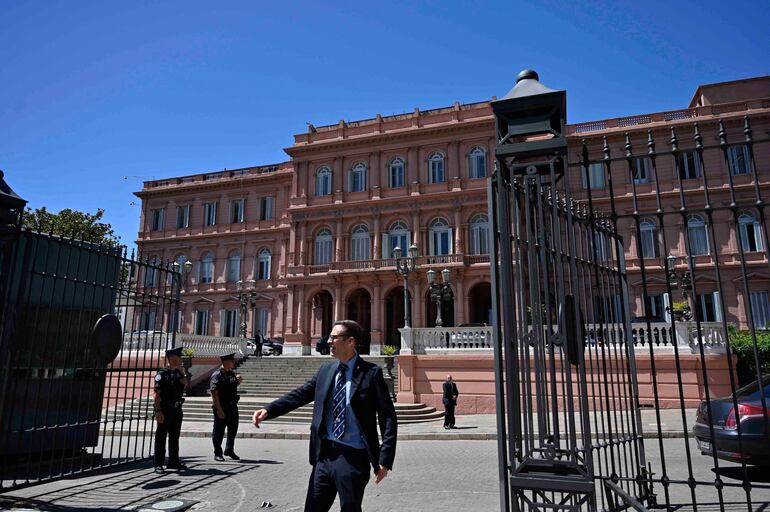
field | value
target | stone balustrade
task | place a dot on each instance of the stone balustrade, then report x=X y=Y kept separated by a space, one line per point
x=200 y=345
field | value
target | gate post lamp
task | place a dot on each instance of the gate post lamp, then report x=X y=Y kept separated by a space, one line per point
x=247 y=297
x=439 y=292
x=404 y=267
x=677 y=281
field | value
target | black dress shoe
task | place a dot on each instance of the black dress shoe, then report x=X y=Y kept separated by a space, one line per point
x=219 y=458
x=177 y=466
x=159 y=470
x=232 y=455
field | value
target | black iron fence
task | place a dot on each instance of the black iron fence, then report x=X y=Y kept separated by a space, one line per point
x=660 y=226
x=69 y=387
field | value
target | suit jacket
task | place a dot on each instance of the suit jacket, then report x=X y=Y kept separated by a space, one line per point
x=450 y=391
x=369 y=401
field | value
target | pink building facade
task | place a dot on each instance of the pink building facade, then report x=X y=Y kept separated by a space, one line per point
x=316 y=232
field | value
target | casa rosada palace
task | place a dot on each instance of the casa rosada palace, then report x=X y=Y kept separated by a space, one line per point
x=315 y=235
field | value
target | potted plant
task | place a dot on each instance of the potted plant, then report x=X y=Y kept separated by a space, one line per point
x=681 y=310
x=389 y=351
x=187 y=356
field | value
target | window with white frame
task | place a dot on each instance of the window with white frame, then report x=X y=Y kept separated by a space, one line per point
x=750 y=232
x=322 y=247
x=602 y=245
x=207 y=268
x=263 y=264
x=230 y=322
x=357 y=178
x=439 y=238
x=397 y=236
x=323 y=181
x=263 y=317
x=689 y=165
x=267 y=208
x=738 y=159
x=201 y=322
x=436 y=168
x=595 y=176
x=477 y=163
x=396 y=172
x=148 y=320
x=479 y=234
x=760 y=309
x=656 y=307
x=156 y=223
x=359 y=243
x=642 y=169
x=648 y=236
x=209 y=214
x=236 y=211
x=151 y=272
x=696 y=233
x=709 y=308
x=234 y=267
x=183 y=216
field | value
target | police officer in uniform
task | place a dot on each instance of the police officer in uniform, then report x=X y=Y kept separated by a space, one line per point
x=224 y=395
x=170 y=384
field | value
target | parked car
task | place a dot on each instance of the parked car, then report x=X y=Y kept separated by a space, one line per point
x=754 y=446
x=272 y=347
x=251 y=348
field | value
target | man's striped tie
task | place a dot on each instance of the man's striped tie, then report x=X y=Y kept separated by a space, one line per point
x=338 y=403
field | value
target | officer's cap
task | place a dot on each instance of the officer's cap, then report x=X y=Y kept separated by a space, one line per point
x=227 y=357
x=177 y=351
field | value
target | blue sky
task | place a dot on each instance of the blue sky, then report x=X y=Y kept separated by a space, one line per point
x=93 y=92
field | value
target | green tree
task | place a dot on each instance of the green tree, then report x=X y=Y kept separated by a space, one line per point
x=71 y=223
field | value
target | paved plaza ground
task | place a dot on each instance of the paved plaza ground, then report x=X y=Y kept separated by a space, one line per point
x=451 y=475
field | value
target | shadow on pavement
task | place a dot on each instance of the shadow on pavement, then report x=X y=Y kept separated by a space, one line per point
x=161 y=484
x=757 y=474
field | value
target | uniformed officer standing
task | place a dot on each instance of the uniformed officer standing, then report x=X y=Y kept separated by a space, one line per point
x=170 y=383
x=224 y=395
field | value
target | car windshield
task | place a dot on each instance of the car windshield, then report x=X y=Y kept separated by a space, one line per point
x=751 y=391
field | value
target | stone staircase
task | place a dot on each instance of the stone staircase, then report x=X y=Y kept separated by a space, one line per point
x=266 y=378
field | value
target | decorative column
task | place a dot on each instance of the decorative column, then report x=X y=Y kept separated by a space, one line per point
x=418 y=300
x=459 y=299
x=302 y=236
x=412 y=171
x=377 y=329
x=459 y=249
x=374 y=172
x=339 y=245
x=292 y=257
x=376 y=234
x=337 y=180
x=338 y=303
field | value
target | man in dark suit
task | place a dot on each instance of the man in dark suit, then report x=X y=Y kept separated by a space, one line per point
x=450 y=401
x=351 y=399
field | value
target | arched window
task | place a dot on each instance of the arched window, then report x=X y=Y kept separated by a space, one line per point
x=323 y=181
x=397 y=236
x=322 y=253
x=263 y=264
x=357 y=179
x=234 y=267
x=479 y=234
x=436 y=168
x=477 y=163
x=750 y=232
x=440 y=238
x=696 y=232
x=359 y=243
x=206 y=274
x=648 y=236
x=396 y=173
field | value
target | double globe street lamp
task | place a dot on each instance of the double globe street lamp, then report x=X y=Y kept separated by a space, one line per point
x=439 y=292
x=404 y=267
x=247 y=296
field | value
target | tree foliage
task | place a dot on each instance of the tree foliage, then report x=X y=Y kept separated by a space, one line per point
x=742 y=345
x=72 y=224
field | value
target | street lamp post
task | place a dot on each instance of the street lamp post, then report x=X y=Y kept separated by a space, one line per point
x=677 y=281
x=247 y=296
x=405 y=266
x=183 y=272
x=439 y=292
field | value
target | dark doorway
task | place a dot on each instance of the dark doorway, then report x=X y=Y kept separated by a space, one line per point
x=447 y=312
x=394 y=315
x=480 y=299
x=360 y=310
x=323 y=312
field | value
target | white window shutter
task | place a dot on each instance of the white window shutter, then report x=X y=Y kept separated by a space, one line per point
x=237 y=322
x=717 y=307
x=385 y=245
x=221 y=322
x=451 y=240
x=666 y=306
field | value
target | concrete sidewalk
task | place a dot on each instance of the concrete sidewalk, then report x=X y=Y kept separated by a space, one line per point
x=468 y=427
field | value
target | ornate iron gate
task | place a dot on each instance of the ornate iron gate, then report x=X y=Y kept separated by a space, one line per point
x=569 y=410
x=83 y=330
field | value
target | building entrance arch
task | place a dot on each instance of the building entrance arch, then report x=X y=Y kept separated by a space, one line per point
x=360 y=310
x=480 y=304
x=323 y=314
x=394 y=315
